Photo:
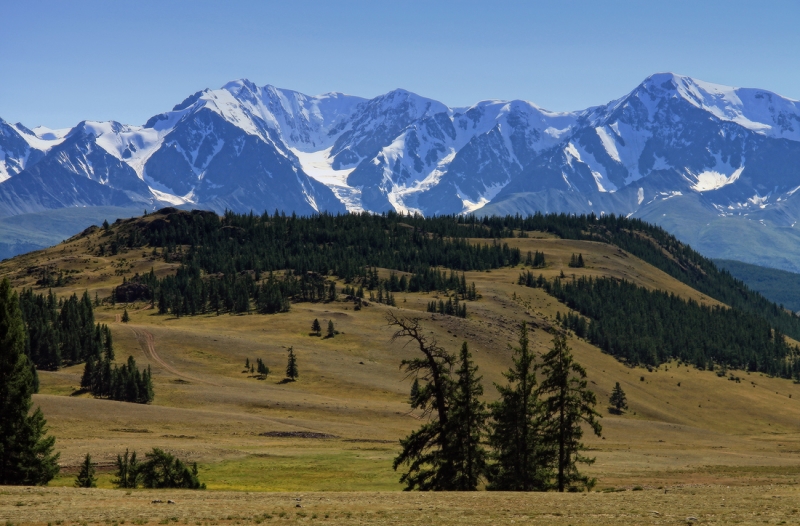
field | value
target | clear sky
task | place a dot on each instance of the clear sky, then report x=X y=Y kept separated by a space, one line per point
x=65 y=61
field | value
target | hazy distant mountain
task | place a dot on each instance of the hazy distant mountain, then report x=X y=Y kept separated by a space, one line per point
x=676 y=151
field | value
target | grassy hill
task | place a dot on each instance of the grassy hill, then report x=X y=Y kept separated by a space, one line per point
x=337 y=428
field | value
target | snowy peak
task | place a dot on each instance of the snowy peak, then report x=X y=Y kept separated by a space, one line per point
x=758 y=110
x=245 y=146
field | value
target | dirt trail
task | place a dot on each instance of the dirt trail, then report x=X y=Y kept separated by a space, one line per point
x=118 y=318
x=148 y=343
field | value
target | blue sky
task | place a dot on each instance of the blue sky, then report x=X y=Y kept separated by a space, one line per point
x=62 y=62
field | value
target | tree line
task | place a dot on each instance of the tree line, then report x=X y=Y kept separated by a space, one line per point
x=59 y=331
x=647 y=327
x=345 y=245
x=533 y=431
x=62 y=332
x=125 y=383
x=159 y=470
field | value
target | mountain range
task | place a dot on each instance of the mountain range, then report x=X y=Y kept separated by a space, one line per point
x=717 y=166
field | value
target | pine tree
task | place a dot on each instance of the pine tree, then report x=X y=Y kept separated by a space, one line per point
x=125 y=317
x=26 y=453
x=316 y=328
x=291 y=366
x=568 y=404
x=86 y=478
x=467 y=424
x=521 y=458
x=428 y=451
x=127 y=471
x=618 y=400
x=331 y=331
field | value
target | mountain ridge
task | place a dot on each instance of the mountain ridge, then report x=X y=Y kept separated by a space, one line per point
x=245 y=147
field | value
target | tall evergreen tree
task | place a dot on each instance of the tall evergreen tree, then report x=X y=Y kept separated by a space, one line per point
x=86 y=476
x=522 y=459
x=291 y=366
x=26 y=453
x=568 y=404
x=467 y=425
x=316 y=328
x=428 y=451
x=125 y=317
x=331 y=330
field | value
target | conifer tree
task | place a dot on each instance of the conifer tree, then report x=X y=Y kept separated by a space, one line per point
x=567 y=404
x=331 y=331
x=291 y=366
x=521 y=458
x=316 y=328
x=125 y=317
x=163 y=470
x=86 y=476
x=428 y=451
x=26 y=453
x=618 y=400
x=415 y=391
x=127 y=471
x=467 y=425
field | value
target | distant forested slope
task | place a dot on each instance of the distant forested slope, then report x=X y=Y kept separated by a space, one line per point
x=779 y=286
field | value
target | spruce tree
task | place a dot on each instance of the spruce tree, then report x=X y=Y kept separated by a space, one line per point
x=467 y=425
x=26 y=453
x=127 y=471
x=331 y=331
x=521 y=457
x=86 y=476
x=125 y=317
x=291 y=366
x=567 y=404
x=316 y=328
x=618 y=400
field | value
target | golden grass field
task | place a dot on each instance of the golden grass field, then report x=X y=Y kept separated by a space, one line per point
x=725 y=451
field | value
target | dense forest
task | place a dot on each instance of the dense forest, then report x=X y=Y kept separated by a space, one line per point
x=645 y=327
x=61 y=332
x=240 y=262
x=347 y=245
x=779 y=286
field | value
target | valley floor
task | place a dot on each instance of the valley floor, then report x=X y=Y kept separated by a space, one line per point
x=724 y=451
x=701 y=504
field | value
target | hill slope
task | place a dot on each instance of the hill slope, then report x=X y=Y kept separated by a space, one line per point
x=337 y=427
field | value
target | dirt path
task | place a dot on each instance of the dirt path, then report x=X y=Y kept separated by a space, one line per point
x=118 y=318
x=148 y=343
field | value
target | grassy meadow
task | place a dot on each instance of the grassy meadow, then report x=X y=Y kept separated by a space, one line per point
x=700 y=437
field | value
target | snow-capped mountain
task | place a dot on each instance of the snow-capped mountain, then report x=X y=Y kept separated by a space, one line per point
x=673 y=139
